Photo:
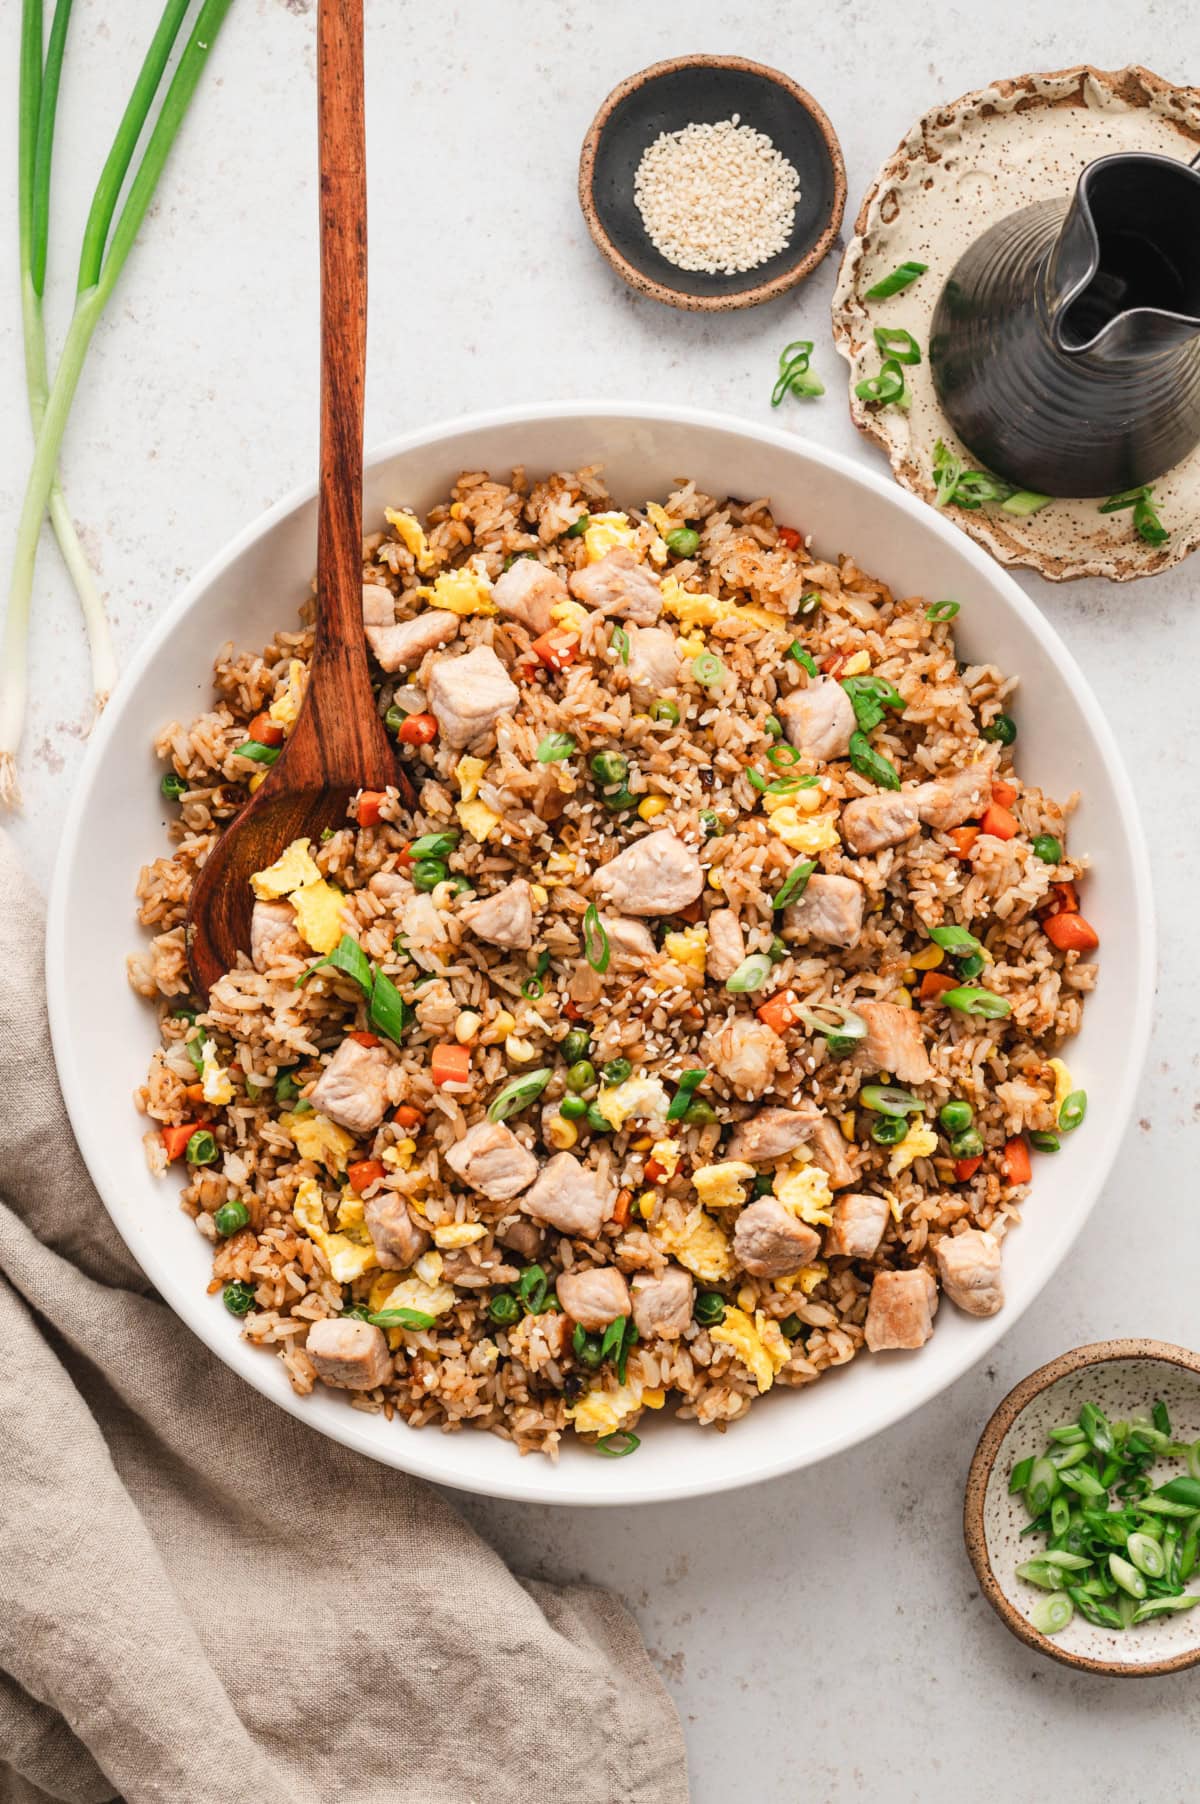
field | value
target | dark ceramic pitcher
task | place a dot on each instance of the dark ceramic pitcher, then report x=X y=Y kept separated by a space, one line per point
x=1065 y=346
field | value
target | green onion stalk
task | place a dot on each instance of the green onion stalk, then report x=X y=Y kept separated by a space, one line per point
x=101 y=262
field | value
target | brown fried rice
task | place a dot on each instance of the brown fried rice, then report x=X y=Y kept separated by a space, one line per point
x=317 y=1204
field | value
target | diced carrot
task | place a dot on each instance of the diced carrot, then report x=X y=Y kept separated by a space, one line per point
x=1063 y=900
x=365 y=1172
x=966 y=1168
x=653 y=1172
x=781 y=1011
x=175 y=1139
x=265 y=731
x=556 y=650
x=620 y=1213
x=1070 y=933
x=1005 y=794
x=999 y=823
x=572 y=1011
x=1016 y=1162
x=368 y=807
x=417 y=729
x=691 y=914
x=832 y=665
x=450 y=1064
x=964 y=838
x=194 y=1092
x=364 y=1038
x=408 y=1117
x=934 y=984
x=790 y=537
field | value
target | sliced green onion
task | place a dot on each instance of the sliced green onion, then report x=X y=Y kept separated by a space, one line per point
x=402 y=1318
x=794 y=884
x=1050 y=1615
x=799 y=655
x=902 y=277
x=1045 y=1143
x=1073 y=1110
x=772 y=728
x=1043 y=1485
x=894 y=341
x=971 y=1001
x=886 y=1099
x=617 y=1445
x=1147 y=523
x=519 y=1093
x=388 y=1010
x=689 y=1083
x=258 y=754
x=1165 y=1606
x=846 y=1025
x=595 y=940
x=1018 y=1478
x=1126 y=498
x=954 y=940
x=586 y=1348
x=578 y=527
x=782 y=755
x=173 y=787
x=554 y=748
x=504 y=1309
x=1024 y=502
x=663 y=710
x=886 y=389
x=1147 y=1555
x=620 y=643
x=870 y=763
x=708 y=669
x=947 y=470
x=434 y=845
x=1127 y=1575
x=869 y=696
x=751 y=974
x=979 y=488
x=942 y=610
x=532 y=1287
x=347 y=957
x=795 y=376
x=1096 y=1427
x=1180 y=1491
x=195 y=1050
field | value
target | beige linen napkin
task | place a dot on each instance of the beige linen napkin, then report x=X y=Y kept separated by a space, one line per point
x=203 y=1600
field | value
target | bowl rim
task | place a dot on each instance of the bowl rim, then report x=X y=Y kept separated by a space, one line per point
x=414 y=1455
x=1006 y=1414
x=663 y=291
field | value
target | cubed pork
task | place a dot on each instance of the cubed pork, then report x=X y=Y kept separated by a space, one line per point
x=662 y=1304
x=402 y=645
x=526 y=593
x=594 y=1298
x=962 y=796
x=397 y=1240
x=969 y=1264
x=769 y=1241
x=352 y=1089
x=900 y=1310
x=270 y=923
x=656 y=875
x=726 y=944
x=352 y=1355
x=829 y=1152
x=830 y=911
x=617 y=584
x=490 y=1159
x=505 y=918
x=894 y=1042
x=569 y=1196
x=747 y=1053
x=469 y=694
x=771 y=1134
x=653 y=661
x=887 y=818
x=857 y=1226
x=630 y=943
x=818 y=719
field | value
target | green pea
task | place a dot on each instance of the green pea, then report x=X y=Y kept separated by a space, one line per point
x=665 y=711
x=173 y=787
x=230 y=1217
x=286 y=1088
x=1002 y=731
x=709 y=1308
x=700 y=1114
x=1048 y=849
x=772 y=727
x=394 y=719
x=889 y=1130
x=621 y=798
x=599 y=1124
x=777 y=950
x=427 y=873
x=617 y=1070
x=610 y=767
x=764 y=1184
x=572 y=1108
x=576 y=1044
x=712 y=823
x=581 y=1076
x=504 y=1308
x=968 y=1144
x=840 y=1046
x=238 y=1298
x=683 y=541
x=578 y=527
x=791 y=1327
x=358 y=1313
x=459 y=884
x=956 y=1115
x=201 y=1149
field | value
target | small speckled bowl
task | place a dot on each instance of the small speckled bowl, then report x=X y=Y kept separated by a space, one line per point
x=703 y=90
x=1124 y=1377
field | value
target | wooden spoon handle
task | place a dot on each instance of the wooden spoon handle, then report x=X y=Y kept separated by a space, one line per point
x=341 y=681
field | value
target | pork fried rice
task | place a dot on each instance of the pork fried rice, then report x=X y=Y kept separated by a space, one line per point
x=607 y=1064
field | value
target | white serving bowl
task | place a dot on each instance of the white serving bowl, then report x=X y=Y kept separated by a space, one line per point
x=103 y=1033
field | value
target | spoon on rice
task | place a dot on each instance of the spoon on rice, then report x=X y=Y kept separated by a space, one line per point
x=339 y=744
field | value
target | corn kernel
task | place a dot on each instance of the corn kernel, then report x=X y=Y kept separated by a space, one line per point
x=929 y=960
x=746 y=1298
x=561 y=1134
x=467 y=1026
x=540 y=894
x=457 y=510
x=653 y=1399
x=902 y=999
x=847 y=1125
x=716 y=879
x=257 y=781
x=646 y=1204
x=944 y=1169
x=642 y=1144
x=807 y=801
x=650 y=806
x=500 y=1028
x=519 y=1050
x=856 y=665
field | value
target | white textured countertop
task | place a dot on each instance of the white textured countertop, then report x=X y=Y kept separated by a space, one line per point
x=823 y=1635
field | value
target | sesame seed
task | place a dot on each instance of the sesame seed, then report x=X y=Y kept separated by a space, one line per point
x=719 y=198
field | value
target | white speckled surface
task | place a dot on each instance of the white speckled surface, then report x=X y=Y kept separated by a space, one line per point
x=823 y=1636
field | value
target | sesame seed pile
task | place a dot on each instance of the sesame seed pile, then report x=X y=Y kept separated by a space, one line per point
x=717 y=198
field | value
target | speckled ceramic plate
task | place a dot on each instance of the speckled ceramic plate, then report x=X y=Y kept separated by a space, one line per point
x=1124 y=1377
x=960 y=169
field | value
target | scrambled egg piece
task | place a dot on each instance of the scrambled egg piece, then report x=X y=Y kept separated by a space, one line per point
x=429 y=1268
x=346 y=1260
x=723 y=1186
x=693 y=610
x=316 y=1137
x=350 y=1211
x=643 y=1097
x=659 y=518
x=602 y=1412
x=764 y=618
x=467 y=590
x=604 y=532
x=804 y=1190
x=1064 y=1083
x=572 y=616
x=807 y=836
x=318 y=909
x=701 y=1244
x=857 y=665
x=811 y=1275
x=468 y=774
x=918 y=1143
x=400 y=1292
x=285 y=708
x=759 y=1344
x=801 y=801
x=399 y=1156
x=213 y=1076
x=458 y=1234
x=478 y=819
x=666 y=1154
x=409 y=531
x=291 y=870
x=690 y=947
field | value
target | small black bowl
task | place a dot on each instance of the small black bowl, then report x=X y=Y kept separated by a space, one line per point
x=703 y=90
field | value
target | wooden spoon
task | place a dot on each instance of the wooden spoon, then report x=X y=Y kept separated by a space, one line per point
x=339 y=744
